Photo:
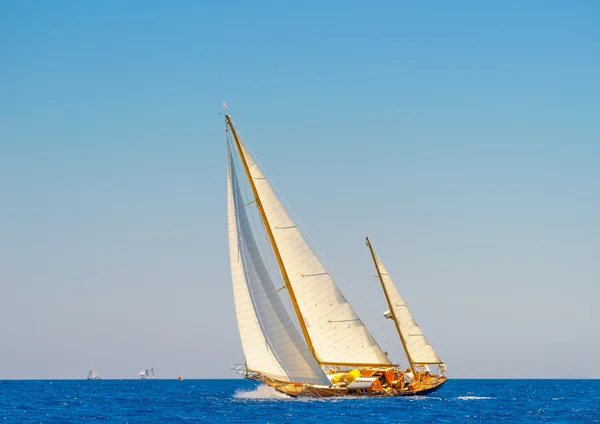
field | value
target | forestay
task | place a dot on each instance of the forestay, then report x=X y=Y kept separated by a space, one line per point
x=271 y=342
x=337 y=334
x=419 y=349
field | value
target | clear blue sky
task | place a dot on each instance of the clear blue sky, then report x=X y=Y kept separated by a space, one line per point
x=462 y=137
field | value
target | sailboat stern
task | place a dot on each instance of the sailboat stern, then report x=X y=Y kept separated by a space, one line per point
x=427 y=387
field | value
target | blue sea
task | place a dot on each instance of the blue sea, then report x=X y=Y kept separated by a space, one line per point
x=241 y=401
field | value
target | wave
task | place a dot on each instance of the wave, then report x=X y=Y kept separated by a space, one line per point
x=473 y=397
x=261 y=392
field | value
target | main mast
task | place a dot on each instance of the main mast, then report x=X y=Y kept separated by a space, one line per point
x=387 y=297
x=265 y=221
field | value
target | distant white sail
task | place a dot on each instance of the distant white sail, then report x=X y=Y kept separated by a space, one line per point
x=142 y=373
x=92 y=374
x=271 y=342
x=151 y=373
x=337 y=333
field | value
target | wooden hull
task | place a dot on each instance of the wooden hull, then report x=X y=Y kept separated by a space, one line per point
x=308 y=390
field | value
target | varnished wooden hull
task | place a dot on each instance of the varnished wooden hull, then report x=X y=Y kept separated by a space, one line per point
x=308 y=390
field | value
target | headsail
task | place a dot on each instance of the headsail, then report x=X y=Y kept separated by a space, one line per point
x=337 y=335
x=418 y=349
x=271 y=343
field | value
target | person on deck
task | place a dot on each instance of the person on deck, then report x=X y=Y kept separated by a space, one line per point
x=443 y=369
x=409 y=377
x=422 y=369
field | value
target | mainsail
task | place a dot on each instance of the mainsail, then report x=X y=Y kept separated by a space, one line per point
x=336 y=333
x=418 y=349
x=271 y=342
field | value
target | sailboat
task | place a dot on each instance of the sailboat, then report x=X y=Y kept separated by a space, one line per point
x=147 y=374
x=333 y=354
x=92 y=374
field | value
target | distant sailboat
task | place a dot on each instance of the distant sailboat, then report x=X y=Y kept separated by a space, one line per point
x=92 y=374
x=147 y=374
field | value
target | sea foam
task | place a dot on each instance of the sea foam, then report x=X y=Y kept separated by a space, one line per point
x=473 y=397
x=261 y=392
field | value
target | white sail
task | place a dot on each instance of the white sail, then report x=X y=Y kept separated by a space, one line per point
x=337 y=334
x=151 y=373
x=270 y=340
x=142 y=373
x=419 y=349
x=92 y=374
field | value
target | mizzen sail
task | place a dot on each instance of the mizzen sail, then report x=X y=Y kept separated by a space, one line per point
x=337 y=334
x=271 y=342
x=418 y=349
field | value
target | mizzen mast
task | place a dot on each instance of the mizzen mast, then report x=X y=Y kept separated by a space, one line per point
x=265 y=221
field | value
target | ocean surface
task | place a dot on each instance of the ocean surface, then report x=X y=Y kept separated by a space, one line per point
x=241 y=401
